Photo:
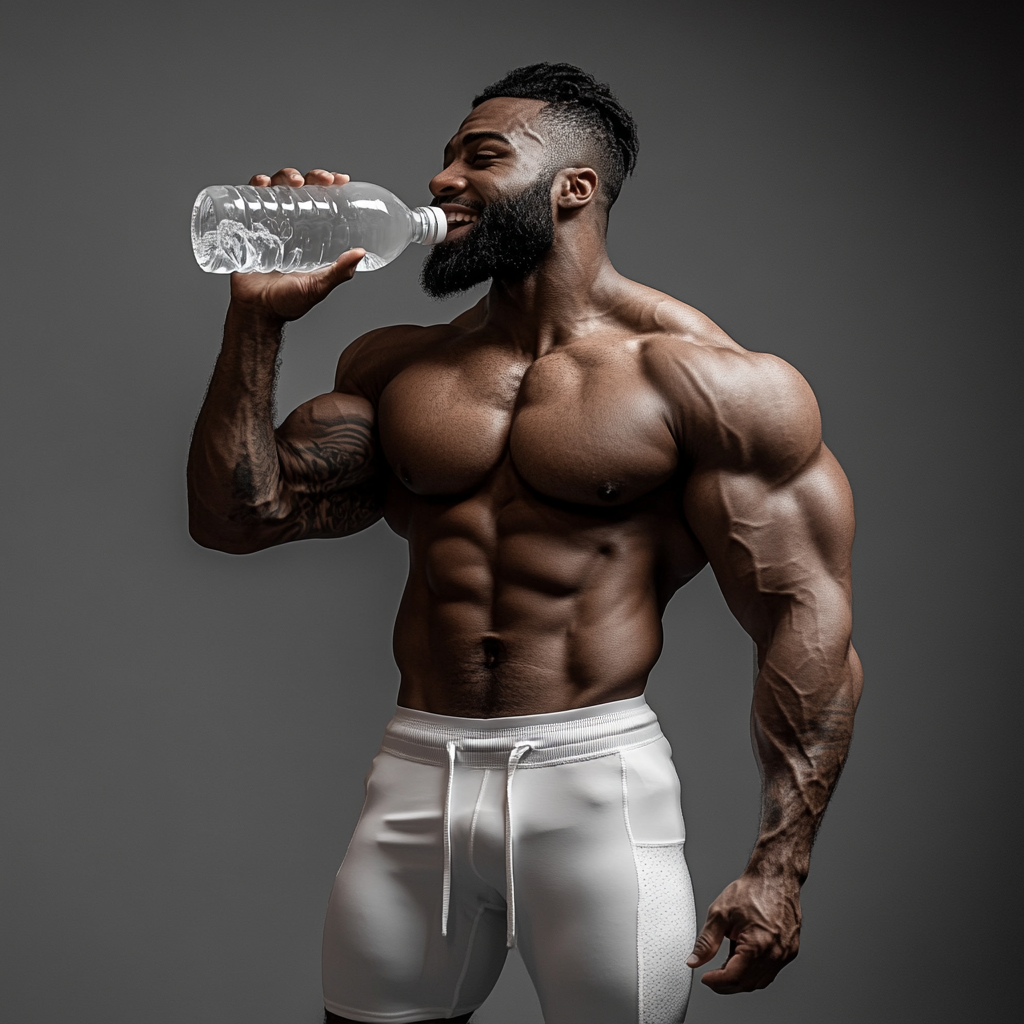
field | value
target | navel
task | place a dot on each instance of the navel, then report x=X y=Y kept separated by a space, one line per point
x=609 y=490
x=494 y=652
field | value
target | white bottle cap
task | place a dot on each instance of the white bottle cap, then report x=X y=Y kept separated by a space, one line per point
x=437 y=225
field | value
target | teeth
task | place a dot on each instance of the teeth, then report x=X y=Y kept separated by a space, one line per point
x=462 y=218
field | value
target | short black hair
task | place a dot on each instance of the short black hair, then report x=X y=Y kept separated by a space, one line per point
x=592 y=122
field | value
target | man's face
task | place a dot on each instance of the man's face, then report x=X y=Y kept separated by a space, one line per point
x=496 y=191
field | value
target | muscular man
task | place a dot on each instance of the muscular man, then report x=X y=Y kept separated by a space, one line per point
x=561 y=459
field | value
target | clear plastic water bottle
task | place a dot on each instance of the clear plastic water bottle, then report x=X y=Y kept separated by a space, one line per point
x=251 y=229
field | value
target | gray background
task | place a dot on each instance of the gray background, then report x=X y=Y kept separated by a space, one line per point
x=184 y=734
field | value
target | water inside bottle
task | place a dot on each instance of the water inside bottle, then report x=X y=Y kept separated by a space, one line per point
x=245 y=229
x=235 y=248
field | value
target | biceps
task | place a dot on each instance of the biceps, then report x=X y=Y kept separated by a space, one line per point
x=327 y=444
x=778 y=550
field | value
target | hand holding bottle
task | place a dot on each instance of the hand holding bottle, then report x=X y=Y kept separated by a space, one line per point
x=290 y=296
x=294 y=225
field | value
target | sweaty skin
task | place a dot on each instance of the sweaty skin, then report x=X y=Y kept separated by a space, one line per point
x=561 y=459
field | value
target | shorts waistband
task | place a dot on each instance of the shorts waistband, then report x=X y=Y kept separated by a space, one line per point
x=577 y=734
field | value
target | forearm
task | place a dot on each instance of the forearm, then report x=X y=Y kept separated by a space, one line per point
x=805 y=696
x=234 y=473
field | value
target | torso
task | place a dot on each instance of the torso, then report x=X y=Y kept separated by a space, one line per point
x=541 y=499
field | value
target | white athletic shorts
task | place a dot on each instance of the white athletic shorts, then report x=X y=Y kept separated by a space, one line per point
x=560 y=834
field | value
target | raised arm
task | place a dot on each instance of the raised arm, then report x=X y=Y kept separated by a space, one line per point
x=249 y=486
x=774 y=513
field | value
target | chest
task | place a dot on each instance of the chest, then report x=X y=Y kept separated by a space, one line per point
x=586 y=428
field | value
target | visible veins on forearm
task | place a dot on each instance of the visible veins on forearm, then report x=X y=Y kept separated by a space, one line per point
x=802 y=740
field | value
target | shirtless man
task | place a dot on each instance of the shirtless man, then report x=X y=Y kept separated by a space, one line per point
x=561 y=458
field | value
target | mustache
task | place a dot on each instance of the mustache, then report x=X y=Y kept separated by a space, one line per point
x=471 y=204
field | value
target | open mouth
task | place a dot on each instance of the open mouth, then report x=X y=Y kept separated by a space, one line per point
x=460 y=220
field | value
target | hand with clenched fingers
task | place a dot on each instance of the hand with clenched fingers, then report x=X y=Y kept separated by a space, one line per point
x=761 y=918
x=289 y=296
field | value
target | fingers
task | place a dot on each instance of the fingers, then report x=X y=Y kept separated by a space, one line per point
x=761 y=917
x=708 y=942
x=320 y=177
x=750 y=965
x=290 y=177
x=732 y=976
x=286 y=176
x=742 y=972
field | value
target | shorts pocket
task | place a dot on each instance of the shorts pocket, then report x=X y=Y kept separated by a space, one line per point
x=651 y=794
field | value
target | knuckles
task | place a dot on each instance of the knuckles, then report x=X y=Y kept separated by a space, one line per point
x=289 y=175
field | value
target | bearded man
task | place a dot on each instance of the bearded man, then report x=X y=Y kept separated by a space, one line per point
x=561 y=459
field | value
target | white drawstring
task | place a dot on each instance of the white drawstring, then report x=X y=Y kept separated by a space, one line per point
x=510 y=885
x=446 y=891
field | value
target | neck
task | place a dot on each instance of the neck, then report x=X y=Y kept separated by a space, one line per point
x=573 y=290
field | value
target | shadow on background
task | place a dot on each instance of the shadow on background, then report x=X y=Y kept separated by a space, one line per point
x=184 y=734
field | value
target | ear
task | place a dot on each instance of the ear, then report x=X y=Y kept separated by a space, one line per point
x=576 y=187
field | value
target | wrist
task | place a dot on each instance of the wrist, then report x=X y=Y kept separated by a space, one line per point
x=784 y=865
x=254 y=316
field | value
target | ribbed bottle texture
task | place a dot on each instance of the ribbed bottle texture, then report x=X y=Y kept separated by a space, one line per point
x=250 y=229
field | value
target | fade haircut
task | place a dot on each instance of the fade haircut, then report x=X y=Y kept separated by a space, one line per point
x=592 y=128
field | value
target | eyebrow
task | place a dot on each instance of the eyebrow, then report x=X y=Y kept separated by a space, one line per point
x=476 y=136
x=473 y=136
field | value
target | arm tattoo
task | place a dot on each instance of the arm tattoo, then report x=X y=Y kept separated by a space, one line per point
x=340 y=457
x=336 y=514
x=325 y=486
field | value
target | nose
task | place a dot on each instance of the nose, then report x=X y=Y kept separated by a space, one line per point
x=448 y=182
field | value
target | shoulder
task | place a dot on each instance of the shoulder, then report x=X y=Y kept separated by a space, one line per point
x=368 y=364
x=729 y=407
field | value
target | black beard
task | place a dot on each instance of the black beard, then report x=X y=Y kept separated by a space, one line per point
x=507 y=243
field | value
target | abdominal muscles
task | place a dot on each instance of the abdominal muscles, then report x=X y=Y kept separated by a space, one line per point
x=528 y=608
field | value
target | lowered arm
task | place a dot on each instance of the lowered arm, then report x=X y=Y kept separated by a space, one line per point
x=774 y=513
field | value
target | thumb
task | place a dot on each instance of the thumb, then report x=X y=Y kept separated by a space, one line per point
x=706 y=946
x=342 y=269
